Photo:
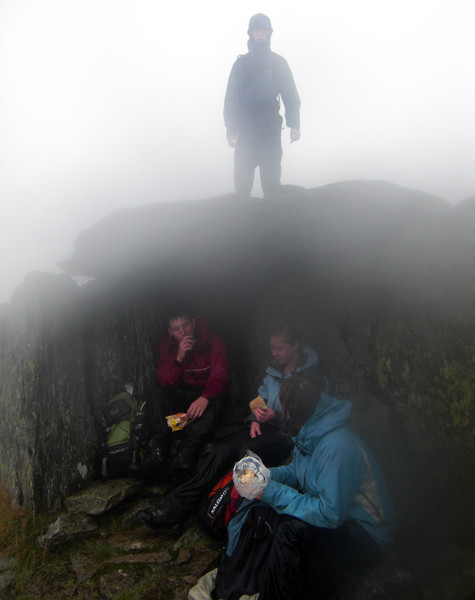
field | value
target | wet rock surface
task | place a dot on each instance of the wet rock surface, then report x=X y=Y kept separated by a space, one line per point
x=119 y=581
x=134 y=562
x=67 y=527
x=100 y=497
x=122 y=556
x=95 y=500
x=7 y=576
x=142 y=558
x=83 y=565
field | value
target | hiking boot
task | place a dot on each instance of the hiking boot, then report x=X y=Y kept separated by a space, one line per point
x=157 y=459
x=161 y=519
x=154 y=465
x=183 y=467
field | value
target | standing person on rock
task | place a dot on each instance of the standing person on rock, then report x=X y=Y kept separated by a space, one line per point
x=193 y=373
x=251 y=110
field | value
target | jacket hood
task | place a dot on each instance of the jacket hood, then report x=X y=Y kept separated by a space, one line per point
x=259 y=21
x=310 y=358
x=330 y=414
x=201 y=328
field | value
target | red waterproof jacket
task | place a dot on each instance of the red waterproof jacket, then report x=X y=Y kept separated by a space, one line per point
x=205 y=366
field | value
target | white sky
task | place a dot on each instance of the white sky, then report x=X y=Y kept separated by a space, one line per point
x=107 y=104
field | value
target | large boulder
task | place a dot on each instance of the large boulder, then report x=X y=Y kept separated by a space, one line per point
x=381 y=279
x=46 y=426
x=63 y=352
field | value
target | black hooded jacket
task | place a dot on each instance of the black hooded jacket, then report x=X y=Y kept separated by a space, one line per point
x=256 y=81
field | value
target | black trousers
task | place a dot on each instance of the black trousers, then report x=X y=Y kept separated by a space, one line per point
x=162 y=403
x=311 y=558
x=285 y=558
x=272 y=446
x=258 y=146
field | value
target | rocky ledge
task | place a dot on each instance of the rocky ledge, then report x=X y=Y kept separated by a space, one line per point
x=96 y=549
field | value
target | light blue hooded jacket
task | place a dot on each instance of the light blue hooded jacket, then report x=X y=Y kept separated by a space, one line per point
x=332 y=478
x=270 y=387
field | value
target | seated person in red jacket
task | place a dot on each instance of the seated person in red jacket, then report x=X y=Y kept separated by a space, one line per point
x=192 y=370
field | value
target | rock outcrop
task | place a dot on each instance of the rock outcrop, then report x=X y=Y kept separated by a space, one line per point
x=381 y=279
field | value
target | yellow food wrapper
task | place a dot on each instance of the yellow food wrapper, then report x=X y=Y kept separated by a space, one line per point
x=177 y=421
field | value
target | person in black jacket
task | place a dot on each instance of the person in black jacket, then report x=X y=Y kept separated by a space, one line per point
x=251 y=110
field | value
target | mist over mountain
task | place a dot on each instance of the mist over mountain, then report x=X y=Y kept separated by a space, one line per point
x=380 y=233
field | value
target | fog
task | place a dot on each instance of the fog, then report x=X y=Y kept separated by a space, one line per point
x=112 y=104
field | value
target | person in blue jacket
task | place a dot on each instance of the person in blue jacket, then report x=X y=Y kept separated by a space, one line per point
x=330 y=502
x=251 y=110
x=290 y=358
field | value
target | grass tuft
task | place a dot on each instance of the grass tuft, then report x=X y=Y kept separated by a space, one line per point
x=13 y=526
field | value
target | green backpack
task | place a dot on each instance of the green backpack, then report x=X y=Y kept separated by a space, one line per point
x=120 y=448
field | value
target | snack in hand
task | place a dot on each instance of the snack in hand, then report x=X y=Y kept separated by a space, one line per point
x=258 y=402
x=177 y=421
x=247 y=476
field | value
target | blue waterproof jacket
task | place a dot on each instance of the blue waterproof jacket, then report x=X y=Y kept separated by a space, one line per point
x=270 y=387
x=332 y=478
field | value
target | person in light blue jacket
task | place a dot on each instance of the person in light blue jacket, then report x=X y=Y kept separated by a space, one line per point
x=290 y=359
x=330 y=501
x=275 y=373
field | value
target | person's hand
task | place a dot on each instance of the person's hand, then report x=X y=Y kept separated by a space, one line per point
x=232 y=140
x=294 y=135
x=186 y=344
x=264 y=415
x=255 y=429
x=197 y=408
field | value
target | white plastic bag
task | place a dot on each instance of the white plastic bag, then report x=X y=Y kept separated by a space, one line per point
x=250 y=476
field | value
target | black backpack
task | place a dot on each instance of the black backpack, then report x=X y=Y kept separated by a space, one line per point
x=241 y=572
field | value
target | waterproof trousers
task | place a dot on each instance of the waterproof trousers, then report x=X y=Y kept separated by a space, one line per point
x=284 y=558
x=258 y=146
x=163 y=403
x=272 y=446
x=192 y=438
